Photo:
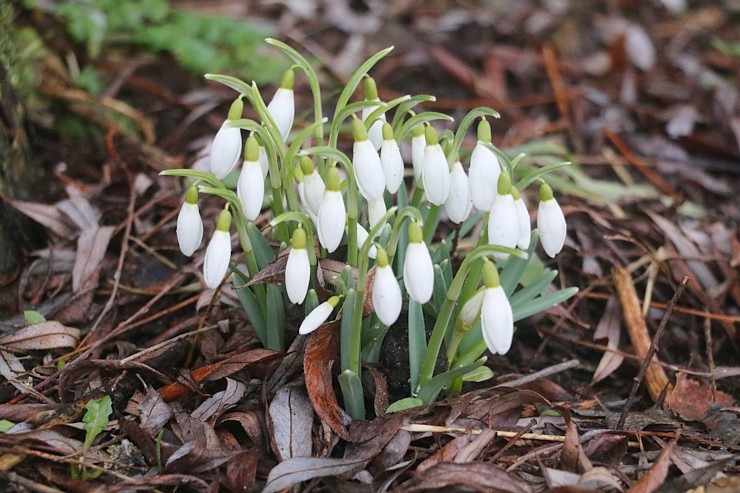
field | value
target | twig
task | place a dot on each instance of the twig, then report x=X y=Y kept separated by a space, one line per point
x=545 y=372
x=651 y=351
x=710 y=357
x=166 y=343
x=14 y=478
x=413 y=427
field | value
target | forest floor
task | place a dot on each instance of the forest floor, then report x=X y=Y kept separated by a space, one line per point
x=643 y=100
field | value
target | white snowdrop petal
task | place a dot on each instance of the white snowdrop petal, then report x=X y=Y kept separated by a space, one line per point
x=497 y=320
x=503 y=223
x=375 y=133
x=525 y=231
x=251 y=189
x=313 y=188
x=392 y=162
x=362 y=236
x=458 y=199
x=368 y=170
x=297 y=275
x=264 y=162
x=225 y=150
x=418 y=272
x=471 y=309
x=418 y=145
x=386 y=295
x=318 y=316
x=282 y=110
x=189 y=228
x=435 y=175
x=551 y=226
x=331 y=219
x=484 y=172
x=218 y=255
x=376 y=210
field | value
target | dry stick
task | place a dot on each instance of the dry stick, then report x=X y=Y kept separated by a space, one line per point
x=546 y=372
x=710 y=357
x=651 y=351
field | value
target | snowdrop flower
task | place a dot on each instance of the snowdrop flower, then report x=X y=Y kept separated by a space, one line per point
x=318 y=316
x=503 y=221
x=418 y=144
x=418 y=271
x=331 y=217
x=282 y=107
x=189 y=223
x=497 y=319
x=522 y=214
x=251 y=186
x=376 y=210
x=218 y=253
x=458 y=203
x=484 y=170
x=227 y=145
x=435 y=172
x=264 y=162
x=313 y=186
x=391 y=160
x=550 y=222
x=362 y=236
x=366 y=163
x=387 y=300
x=470 y=310
x=298 y=268
x=375 y=133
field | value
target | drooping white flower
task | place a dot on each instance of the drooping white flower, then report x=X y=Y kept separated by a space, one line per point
x=386 y=295
x=362 y=236
x=435 y=172
x=497 y=319
x=418 y=270
x=189 y=224
x=376 y=210
x=484 y=170
x=218 y=253
x=391 y=160
x=227 y=145
x=458 y=204
x=251 y=186
x=264 y=161
x=522 y=214
x=318 y=316
x=331 y=217
x=313 y=185
x=298 y=268
x=550 y=222
x=418 y=144
x=375 y=133
x=471 y=309
x=282 y=106
x=503 y=222
x=366 y=164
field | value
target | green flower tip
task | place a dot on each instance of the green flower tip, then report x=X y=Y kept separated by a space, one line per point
x=299 y=239
x=381 y=258
x=191 y=196
x=504 y=184
x=333 y=179
x=288 y=79
x=431 y=136
x=387 y=131
x=236 y=109
x=334 y=301
x=224 y=221
x=545 y=192
x=515 y=193
x=371 y=90
x=415 y=234
x=418 y=131
x=307 y=167
x=490 y=274
x=251 y=149
x=484 y=130
x=359 y=132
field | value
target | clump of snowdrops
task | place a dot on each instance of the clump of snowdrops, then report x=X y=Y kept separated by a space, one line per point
x=358 y=206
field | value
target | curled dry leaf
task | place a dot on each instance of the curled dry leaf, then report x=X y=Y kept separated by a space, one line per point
x=655 y=477
x=291 y=423
x=154 y=412
x=609 y=327
x=46 y=215
x=218 y=402
x=45 y=335
x=473 y=476
x=91 y=247
x=691 y=399
x=300 y=469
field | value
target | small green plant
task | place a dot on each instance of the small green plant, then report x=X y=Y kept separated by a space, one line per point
x=96 y=419
x=363 y=215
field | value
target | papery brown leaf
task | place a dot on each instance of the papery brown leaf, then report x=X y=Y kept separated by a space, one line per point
x=291 y=423
x=91 y=247
x=445 y=454
x=250 y=422
x=241 y=473
x=195 y=458
x=606 y=448
x=572 y=458
x=691 y=399
x=154 y=412
x=79 y=209
x=10 y=368
x=514 y=400
x=476 y=447
x=370 y=437
x=655 y=477
x=322 y=350
x=609 y=328
x=152 y=483
x=300 y=469
x=380 y=402
x=473 y=476
x=272 y=273
x=45 y=335
x=220 y=401
x=46 y=215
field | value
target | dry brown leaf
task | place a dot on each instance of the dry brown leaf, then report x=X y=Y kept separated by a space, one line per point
x=691 y=399
x=472 y=476
x=46 y=215
x=291 y=423
x=572 y=457
x=218 y=402
x=154 y=412
x=299 y=469
x=608 y=328
x=91 y=247
x=45 y=335
x=655 y=477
